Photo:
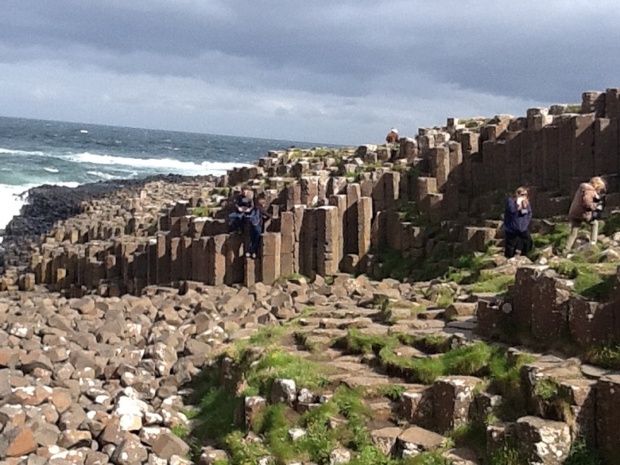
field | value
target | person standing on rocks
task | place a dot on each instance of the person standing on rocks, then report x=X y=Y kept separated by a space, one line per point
x=517 y=219
x=392 y=136
x=587 y=206
x=243 y=206
x=392 y=139
x=257 y=217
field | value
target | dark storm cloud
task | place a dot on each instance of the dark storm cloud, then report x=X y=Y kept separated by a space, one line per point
x=354 y=60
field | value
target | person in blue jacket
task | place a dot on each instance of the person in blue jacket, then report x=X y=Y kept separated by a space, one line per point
x=257 y=217
x=517 y=218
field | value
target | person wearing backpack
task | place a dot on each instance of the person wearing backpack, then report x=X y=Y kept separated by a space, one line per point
x=257 y=217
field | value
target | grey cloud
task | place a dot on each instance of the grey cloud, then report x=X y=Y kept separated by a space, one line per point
x=355 y=63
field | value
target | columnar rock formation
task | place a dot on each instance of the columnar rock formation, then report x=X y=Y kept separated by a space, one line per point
x=334 y=210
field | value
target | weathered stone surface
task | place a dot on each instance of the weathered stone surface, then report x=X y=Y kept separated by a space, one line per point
x=415 y=440
x=542 y=441
x=453 y=396
x=168 y=445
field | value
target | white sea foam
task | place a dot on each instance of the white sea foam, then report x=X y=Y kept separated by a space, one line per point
x=12 y=201
x=102 y=175
x=51 y=170
x=12 y=198
x=168 y=165
x=4 y=151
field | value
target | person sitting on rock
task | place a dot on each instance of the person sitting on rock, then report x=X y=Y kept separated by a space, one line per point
x=517 y=219
x=587 y=205
x=392 y=136
x=257 y=217
x=243 y=205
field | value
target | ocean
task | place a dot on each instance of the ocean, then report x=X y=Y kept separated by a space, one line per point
x=35 y=152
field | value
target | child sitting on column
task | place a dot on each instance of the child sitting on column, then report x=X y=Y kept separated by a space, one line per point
x=242 y=204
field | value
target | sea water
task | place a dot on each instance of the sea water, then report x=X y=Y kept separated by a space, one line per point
x=35 y=152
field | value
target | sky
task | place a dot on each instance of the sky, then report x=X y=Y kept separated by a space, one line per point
x=331 y=71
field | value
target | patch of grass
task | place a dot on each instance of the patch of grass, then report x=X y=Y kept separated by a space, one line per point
x=263 y=337
x=430 y=344
x=594 y=286
x=179 y=431
x=204 y=212
x=467 y=360
x=394 y=265
x=409 y=212
x=573 y=108
x=472 y=435
x=277 y=363
x=356 y=342
x=547 y=389
x=594 y=281
x=445 y=298
x=216 y=416
x=498 y=284
x=604 y=355
x=508 y=455
x=304 y=341
x=556 y=238
x=611 y=225
x=505 y=380
x=391 y=391
x=428 y=458
x=243 y=451
x=580 y=454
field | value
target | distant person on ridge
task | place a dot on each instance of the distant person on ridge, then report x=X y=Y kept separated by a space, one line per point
x=587 y=206
x=243 y=205
x=517 y=218
x=392 y=136
x=257 y=218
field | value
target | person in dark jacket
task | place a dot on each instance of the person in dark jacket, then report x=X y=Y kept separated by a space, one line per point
x=517 y=218
x=243 y=206
x=257 y=217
